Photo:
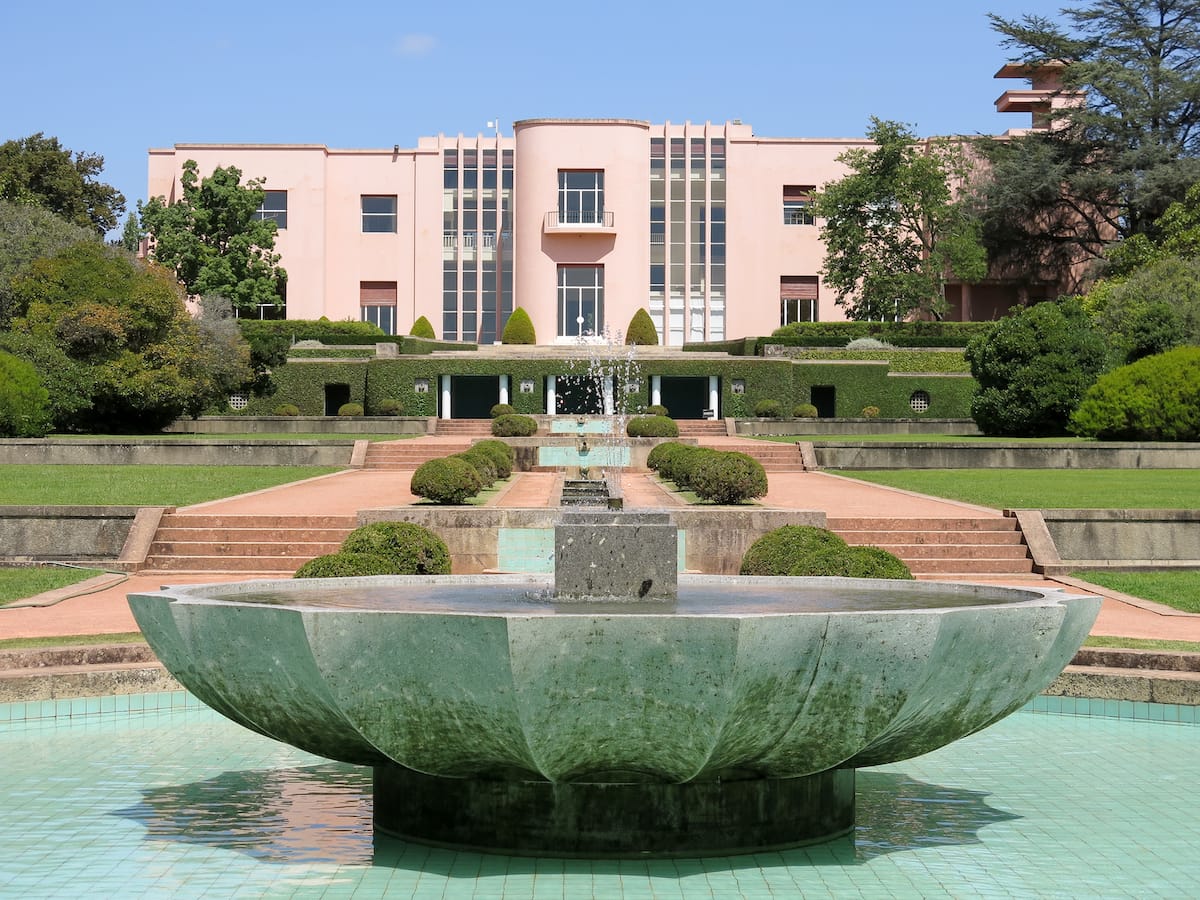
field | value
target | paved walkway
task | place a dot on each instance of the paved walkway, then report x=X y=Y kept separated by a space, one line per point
x=105 y=611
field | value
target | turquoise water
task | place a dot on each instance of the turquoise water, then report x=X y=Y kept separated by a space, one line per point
x=158 y=797
x=610 y=457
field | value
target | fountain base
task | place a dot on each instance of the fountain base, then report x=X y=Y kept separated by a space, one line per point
x=539 y=818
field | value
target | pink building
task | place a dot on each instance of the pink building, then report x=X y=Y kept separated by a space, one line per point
x=579 y=221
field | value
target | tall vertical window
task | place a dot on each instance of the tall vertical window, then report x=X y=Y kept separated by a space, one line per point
x=797 y=299
x=273 y=207
x=378 y=213
x=377 y=304
x=580 y=300
x=580 y=197
x=797 y=204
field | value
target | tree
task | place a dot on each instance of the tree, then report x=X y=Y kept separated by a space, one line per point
x=24 y=411
x=214 y=239
x=1112 y=163
x=893 y=231
x=28 y=233
x=1150 y=311
x=1033 y=368
x=131 y=234
x=37 y=170
x=225 y=360
x=641 y=329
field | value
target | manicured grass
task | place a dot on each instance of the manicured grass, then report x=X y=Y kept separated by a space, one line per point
x=256 y=436
x=23 y=485
x=72 y=640
x=914 y=439
x=1178 y=590
x=1050 y=488
x=1124 y=643
x=25 y=581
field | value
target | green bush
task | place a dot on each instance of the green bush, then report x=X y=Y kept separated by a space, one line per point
x=518 y=329
x=389 y=407
x=666 y=457
x=350 y=409
x=873 y=562
x=641 y=329
x=1156 y=398
x=502 y=409
x=804 y=411
x=286 y=409
x=728 y=478
x=778 y=552
x=768 y=409
x=514 y=426
x=867 y=343
x=448 y=481
x=422 y=329
x=408 y=548
x=657 y=409
x=503 y=456
x=24 y=403
x=651 y=426
x=346 y=565
x=483 y=463
x=870 y=412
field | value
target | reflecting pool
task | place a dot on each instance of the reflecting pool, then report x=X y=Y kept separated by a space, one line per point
x=155 y=796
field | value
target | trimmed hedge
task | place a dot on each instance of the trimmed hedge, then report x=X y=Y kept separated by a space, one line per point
x=422 y=329
x=388 y=407
x=898 y=334
x=502 y=409
x=514 y=426
x=651 y=426
x=657 y=409
x=449 y=481
x=286 y=409
x=804 y=411
x=768 y=409
x=483 y=463
x=350 y=409
x=410 y=549
x=714 y=475
x=1156 y=398
x=641 y=329
x=346 y=565
x=503 y=456
x=804 y=550
x=518 y=329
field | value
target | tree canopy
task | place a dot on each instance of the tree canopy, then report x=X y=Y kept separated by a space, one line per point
x=215 y=240
x=893 y=231
x=28 y=233
x=39 y=171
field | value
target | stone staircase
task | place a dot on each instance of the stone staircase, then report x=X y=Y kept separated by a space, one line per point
x=409 y=454
x=701 y=428
x=774 y=457
x=473 y=428
x=968 y=547
x=270 y=545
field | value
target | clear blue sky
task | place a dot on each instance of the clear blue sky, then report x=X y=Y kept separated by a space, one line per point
x=119 y=78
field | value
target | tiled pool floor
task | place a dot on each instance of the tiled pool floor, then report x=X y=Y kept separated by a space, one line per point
x=180 y=803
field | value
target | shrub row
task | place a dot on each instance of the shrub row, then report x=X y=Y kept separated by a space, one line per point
x=383 y=548
x=717 y=476
x=803 y=550
x=454 y=479
x=651 y=426
x=514 y=425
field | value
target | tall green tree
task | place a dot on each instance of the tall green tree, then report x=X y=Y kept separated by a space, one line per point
x=37 y=170
x=1113 y=162
x=893 y=230
x=28 y=233
x=214 y=239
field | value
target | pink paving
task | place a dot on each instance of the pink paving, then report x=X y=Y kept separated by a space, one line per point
x=105 y=611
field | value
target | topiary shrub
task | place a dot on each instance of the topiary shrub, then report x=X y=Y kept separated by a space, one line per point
x=346 y=565
x=804 y=411
x=286 y=409
x=503 y=456
x=664 y=457
x=641 y=329
x=657 y=409
x=728 y=478
x=651 y=426
x=518 y=329
x=502 y=409
x=448 y=481
x=1156 y=398
x=514 y=426
x=389 y=407
x=778 y=552
x=24 y=403
x=350 y=409
x=767 y=409
x=870 y=412
x=483 y=463
x=422 y=329
x=407 y=548
x=874 y=562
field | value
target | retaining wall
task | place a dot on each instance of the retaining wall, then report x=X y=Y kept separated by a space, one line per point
x=64 y=533
x=171 y=452
x=1066 y=540
x=916 y=455
x=752 y=427
x=347 y=425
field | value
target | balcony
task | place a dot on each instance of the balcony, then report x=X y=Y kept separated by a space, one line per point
x=574 y=221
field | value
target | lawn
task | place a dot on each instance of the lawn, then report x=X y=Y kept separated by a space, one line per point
x=1179 y=590
x=143 y=485
x=1050 y=488
x=26 y=581
x=256 y=436
x=914 y=439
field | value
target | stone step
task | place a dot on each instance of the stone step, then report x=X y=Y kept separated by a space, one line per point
x=248 y=535
x=274 y=565
x=261 y=549
x=207 y=520
x=964 y=523
x=946 y=568
x=997 y=538
x=952 y=551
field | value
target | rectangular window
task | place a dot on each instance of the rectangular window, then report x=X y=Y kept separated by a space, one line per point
x=377 y=304
x=274 y=208
x=797 y=204
x=378 y=213
x=580 y=301
x=580 y=197
x=797 y=298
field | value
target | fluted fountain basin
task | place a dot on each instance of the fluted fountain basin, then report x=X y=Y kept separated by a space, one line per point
x=497 y=717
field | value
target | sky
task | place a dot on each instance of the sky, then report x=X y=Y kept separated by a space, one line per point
x=119 y=78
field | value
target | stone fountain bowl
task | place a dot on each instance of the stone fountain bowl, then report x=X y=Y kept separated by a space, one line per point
x=489 y=679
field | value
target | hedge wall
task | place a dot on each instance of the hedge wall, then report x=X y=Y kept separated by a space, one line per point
x=899 y=334
x=858 y=386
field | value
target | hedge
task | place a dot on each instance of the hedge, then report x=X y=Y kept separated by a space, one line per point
x=714 y=475
x=410 y=549
x=898 y=334
x=514 y=426
x=804 y=550
x=1156 y=398
x=449 y=480
x=651 y=426
x=346 y=565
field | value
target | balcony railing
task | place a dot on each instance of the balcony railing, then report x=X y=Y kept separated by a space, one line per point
x=578 y=219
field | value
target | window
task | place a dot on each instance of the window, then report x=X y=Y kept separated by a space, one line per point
x=797 y=204
x=274 y=208
x=377 y=303
x=797 y=298
x=580 y=198
x=378 y=213
x=580 y=300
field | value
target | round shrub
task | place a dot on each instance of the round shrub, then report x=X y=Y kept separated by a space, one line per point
x=874 y=562
x=350 y=409
x=514 y=426
x=346 y=565
x=656 y=409
x=447 y=480
x=728 y=478
x=870 y=412
x=663 y=458
x=24 y=403
x=502 y=409
x=867 y=343
x=389 y=407
x=422 y=329
x=502 y=455
x=286 y=409
x=804 y=411
x=409 y=549
x=1156 y=398
x=780 y=551
x=641 y=329
x=483 y=463
x=518 y=329
x=651 y=426
x=767 y=409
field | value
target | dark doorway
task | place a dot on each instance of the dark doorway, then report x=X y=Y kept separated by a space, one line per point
x=578 y=395
x=336 y=396
x=473 y=396
x=824 y=398
x=685 y=397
